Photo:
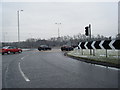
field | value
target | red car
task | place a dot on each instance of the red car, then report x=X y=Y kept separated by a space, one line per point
x=10 y=49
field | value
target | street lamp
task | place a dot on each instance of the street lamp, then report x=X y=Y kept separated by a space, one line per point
x=58 y=29
x=18 y=12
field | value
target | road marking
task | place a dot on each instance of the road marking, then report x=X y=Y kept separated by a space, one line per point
x=113 y=68
x=24 y=76
x=6 y=75
x=107 y=67
x=100 y=66
x=22 y=57
x=48 y=51
x=6 y=69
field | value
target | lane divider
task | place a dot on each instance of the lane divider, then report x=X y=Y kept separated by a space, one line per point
x=24 y=76
x=22 y=57
x=22 y=73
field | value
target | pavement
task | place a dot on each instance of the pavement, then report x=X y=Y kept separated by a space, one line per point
x=51 y=69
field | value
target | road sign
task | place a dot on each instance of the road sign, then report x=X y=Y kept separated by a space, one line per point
x=82 y=45
x=103 y=44
x=89 y=45
x=116 y=44
x=85 y=45
x=106 y=44
x=96 y=45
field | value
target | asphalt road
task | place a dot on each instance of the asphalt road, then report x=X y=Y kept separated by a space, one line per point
x=0 y=72
x=51 y=69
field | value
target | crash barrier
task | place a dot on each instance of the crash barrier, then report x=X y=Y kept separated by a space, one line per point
x=102 y=44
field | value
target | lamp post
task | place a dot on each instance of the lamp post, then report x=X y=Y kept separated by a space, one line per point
x=58 y=29
x=18 y=12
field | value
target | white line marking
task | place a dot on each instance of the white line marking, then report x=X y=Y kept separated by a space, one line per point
x=107 y=67
x=100 y=66
x=26 y=78
x=113 y=68
x=6 y=69
x=22 y=57
x=6 y=75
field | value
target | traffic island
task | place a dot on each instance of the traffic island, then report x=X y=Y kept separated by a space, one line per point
x=108 y=62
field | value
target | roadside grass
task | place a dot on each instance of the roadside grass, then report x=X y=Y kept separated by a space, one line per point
x=113 y=56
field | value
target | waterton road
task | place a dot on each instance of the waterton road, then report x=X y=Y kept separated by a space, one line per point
x=51 y=69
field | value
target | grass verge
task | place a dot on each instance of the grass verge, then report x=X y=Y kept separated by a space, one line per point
x=108 y=62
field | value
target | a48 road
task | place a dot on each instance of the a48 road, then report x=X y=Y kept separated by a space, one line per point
x=51 y=69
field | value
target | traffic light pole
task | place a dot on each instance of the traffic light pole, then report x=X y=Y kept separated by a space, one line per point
x=90 y=37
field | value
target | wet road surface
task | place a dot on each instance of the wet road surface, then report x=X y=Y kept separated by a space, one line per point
x=51 y=69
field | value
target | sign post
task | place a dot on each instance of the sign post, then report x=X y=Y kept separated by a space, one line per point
x=106 y=53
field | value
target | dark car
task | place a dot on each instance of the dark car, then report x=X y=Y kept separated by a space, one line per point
x=10 y=49
x=66 y=48
x=44 y=47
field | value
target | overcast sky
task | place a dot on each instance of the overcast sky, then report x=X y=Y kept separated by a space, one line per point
x=37 y=20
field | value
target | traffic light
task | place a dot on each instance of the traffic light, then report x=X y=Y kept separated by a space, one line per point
x=86 y=31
